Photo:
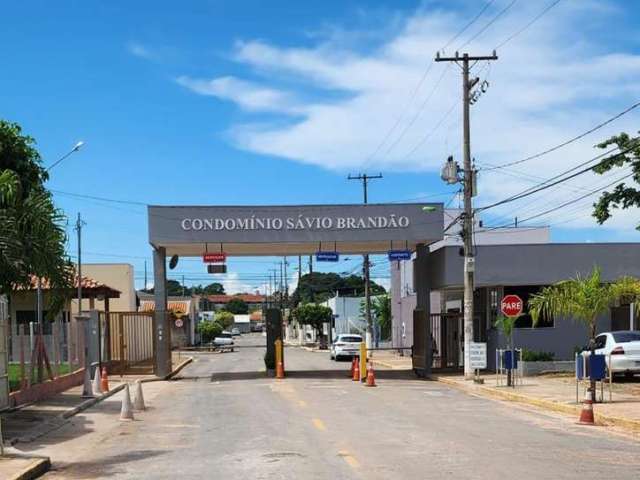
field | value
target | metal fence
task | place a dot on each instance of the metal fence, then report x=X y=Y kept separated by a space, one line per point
x=130 y=339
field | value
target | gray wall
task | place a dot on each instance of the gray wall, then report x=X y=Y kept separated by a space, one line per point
x=560 y=340
x=533 y=264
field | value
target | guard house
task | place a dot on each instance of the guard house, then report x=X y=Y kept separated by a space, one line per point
x=521 y=269
x=288 y=230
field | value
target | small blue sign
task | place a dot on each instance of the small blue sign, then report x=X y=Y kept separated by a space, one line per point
x=399 y=254
x=327 y=256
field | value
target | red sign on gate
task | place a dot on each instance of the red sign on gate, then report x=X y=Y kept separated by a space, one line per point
x=219 y=257
x=511 y=305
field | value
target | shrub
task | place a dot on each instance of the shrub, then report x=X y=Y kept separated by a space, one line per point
x=208 y=330
x=533 y=356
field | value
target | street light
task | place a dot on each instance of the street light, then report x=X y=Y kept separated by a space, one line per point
x=75 y=148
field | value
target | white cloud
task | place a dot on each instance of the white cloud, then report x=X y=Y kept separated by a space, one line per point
x=555 y=80
x=139 y=50
x=247 y=95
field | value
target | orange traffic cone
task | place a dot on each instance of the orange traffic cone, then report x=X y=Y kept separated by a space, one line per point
x=104 y=380
x=356 y=370
x=371 y=378
x=586 y=415
x=279 y=370
x=353 y=365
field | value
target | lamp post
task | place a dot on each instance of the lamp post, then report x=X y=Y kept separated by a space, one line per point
x=75 y=148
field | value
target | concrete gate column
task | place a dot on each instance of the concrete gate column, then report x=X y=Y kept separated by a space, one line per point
x=422 y=287
x=161 y=327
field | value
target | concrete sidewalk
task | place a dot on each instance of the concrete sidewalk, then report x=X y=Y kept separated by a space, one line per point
x=551 y=392
x=558 y=393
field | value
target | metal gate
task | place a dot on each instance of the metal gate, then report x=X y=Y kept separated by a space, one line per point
x=447 y=340
x=129 y=336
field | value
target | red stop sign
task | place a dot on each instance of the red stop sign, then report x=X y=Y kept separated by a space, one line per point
x=511 y=305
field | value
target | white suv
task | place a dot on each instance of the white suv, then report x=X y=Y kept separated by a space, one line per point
x=346 y=345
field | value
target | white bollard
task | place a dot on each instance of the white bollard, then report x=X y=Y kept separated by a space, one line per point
x=138 y=398
x=96 y=382
x=126 y=412
x=87 y=391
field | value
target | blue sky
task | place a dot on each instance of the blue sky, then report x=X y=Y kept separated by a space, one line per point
x=253 y=102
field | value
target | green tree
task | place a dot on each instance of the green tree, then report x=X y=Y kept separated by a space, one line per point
x=623 y=196
x=381 y=308
x=237 y=306
x=583 y=299
x=225 y=319
x=214 y=288
x=208 y=330
x=320 y=286
x=314 y=315
x=32 y=232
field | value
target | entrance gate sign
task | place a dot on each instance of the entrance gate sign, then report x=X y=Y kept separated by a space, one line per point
x=327 y=256
x=219 y=257
x=478 y=355
x=316 y=224
x=511 y=305
x=399 y=255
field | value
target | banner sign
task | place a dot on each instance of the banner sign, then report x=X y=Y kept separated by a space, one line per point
x=218 y=257
x=327 y=256
x=295 y=223
x=478 y=356
x=399 y=255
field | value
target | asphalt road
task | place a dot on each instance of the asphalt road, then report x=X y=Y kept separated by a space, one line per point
x=224 y=419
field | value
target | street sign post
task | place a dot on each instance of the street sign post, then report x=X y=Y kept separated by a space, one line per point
x=478 y=359
x=217 y=257
x=511 y=306
x=478 y=355
x=399 y=255
x=327 y=256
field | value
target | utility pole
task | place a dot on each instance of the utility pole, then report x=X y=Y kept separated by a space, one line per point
x=299 y=269
x=310 y=264
x=79 y=230
x=145 y=275
x=468 y=190
x=365 y=259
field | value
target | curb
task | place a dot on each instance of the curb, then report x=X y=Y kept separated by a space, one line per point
x=56 y=421
x=633 y=425
x=390 y=365
x=38 y=467
x=170 y=375
x=92 y=401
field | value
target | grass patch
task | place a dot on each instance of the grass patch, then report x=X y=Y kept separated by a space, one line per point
x=14 y=374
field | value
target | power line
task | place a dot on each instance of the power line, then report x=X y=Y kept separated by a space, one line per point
x=418 y=112
x=546 y=185
x=417 y=89
x=491 y=22
x=534 y=20
x=564 y=144
x=464 y=29
x=572 y=201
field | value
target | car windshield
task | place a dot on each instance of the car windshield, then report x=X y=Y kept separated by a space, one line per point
x=625 y=337
x=350 y=339
x=224 y=335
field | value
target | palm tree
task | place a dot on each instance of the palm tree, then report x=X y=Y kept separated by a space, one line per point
x=584 y=299
x=506 y=325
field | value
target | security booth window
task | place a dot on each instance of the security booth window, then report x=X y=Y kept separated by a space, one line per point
x=525 y=321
